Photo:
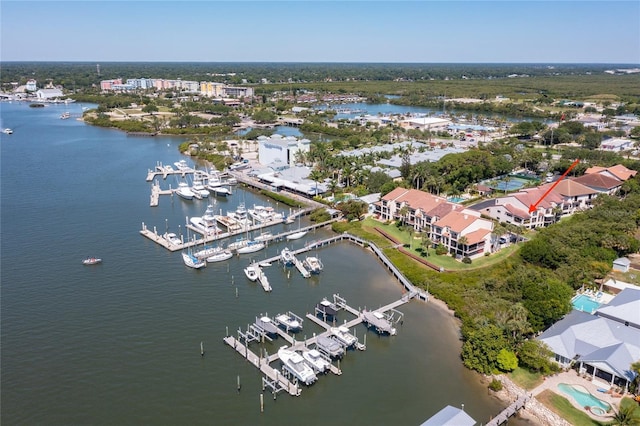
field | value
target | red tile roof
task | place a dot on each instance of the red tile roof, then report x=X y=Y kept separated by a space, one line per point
x=572 y=188
x=598 y=180
x=477 y=236
x=456 y=221
x=619 y=171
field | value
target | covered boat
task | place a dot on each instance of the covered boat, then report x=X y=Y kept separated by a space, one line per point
x=289 y=322
x=326 y=308
x=316 y=360
x=344 y=336
x=91 y=261
x=266 y=324
x=287 y=256
x=329 y=346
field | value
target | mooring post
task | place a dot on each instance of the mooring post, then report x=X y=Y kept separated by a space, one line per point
x=239 y=383
x=262 y=403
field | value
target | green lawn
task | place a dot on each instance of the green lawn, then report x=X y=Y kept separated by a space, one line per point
x=525 y=379
x=562 y=407
x=445 y=261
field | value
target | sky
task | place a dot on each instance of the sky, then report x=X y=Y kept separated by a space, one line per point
x=476 y=31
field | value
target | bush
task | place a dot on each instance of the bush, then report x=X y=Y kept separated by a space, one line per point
x=440 y=249
x=495 y=385
x=466 y=260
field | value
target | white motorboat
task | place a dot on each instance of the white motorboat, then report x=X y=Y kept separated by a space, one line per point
x=296 y=365
x=206 y=224
x=172 y=238
x=264 y=214
x=7 y=131
x=208 y=251
x=265 y=236
x=251 y=272
x=251 y=247
x=184 y=191
x=65 y=115
x=220 y=256
x=296 y=235
x=287 y=256
x=265 y=324
x=238 y=244
x=289 y=322
x=192 y=261
x=313 y=264
x=181 y=165
x=316 y=360
x=344 y=336
x=198 y=188
x=167 y=169
x=264 y=264
x=91 y=261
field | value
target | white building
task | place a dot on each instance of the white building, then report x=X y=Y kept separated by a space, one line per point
x=616 y=145
x=45 y=94
x=31 y=86
x=281 y=151
x=426 y=123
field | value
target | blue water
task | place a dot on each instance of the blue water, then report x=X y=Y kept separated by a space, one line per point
x=584 y=303
x=456 y=199
x=583 y=397
x=119 y=342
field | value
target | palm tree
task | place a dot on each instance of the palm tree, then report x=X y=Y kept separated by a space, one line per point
x=315 y=176
x=627 y=413
x=463 y=241
x=403 y=212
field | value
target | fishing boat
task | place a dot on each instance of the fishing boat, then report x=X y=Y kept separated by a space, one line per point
x=265 y=324
x=287 y=256
x=192 y=261
x=184 y=191
x=221 y=191
x=296 y=365
x=262 y=214
x=329 y=346
x=198 y=188
x=220 y=256
x=91 y=261
x=65 y=115
x=181 y=165
x=251 y=247
x=7 y=131
x=206 y=224
x=344 y=336
x=312 y=264
x=316 y=360
x=251 y=272
x=289 y=322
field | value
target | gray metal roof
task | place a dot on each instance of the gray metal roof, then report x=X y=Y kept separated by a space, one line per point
x=450 y=416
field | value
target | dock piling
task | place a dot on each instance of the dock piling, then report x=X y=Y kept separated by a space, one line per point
x=262 y=403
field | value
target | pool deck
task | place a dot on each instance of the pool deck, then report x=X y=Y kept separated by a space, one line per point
x=571 y=378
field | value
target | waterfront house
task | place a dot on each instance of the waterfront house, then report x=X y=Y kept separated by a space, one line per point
x=514 y=208
x=618 y=171
x=603 y=345
x=576 y=196
x=600 y=182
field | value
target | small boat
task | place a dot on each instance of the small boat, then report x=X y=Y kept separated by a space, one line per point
x=220 y=191
x=329 y=346
x=7 y=131
x=315 y=360
x=264 y=264
x=327 y=308
x=289 y=322
x=296 y=235
x=296 y=365
x=91 y=261
x=192 y=261
x=184 y=191
x=251 y=272
x=65 y=115
x=287 y=256
x=251 y=247
x=312 y=264
x=344 y=336
x=172 y=238
x=265 y=324
x=238 y=244
x=378 y=322
x=220 y=256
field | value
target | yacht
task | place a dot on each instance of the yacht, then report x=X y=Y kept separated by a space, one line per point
x=296 y=235
x=316 y=360
x=184 y=191
x=221 y=191
x=312 y=264
x=206 y=224
x=344 y=336
x=199 y=188
x=287 y=256
x=181 y=165
x=192 y=261
x=262 y=214
x=220 y=256
x=289 y=322
x=251 y=247
x=296 y=365
x=251 y=272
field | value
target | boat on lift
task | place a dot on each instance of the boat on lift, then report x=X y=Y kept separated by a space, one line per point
x=287 y=256
x=316 y=360
x=296 y=365
x=289 y=322
x=329 y=346
x=312 y=264
x=344 y=336
x=327 y=308
x=266 y=324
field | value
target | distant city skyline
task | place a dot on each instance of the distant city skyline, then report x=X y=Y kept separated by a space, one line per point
x=322 y=31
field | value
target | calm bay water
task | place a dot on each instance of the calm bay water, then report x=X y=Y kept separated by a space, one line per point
x=119 y=343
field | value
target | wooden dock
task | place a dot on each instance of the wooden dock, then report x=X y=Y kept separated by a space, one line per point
x=511 y=410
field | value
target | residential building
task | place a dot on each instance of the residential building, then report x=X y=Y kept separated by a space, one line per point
x=602 y=345
x=212 y=90
x=621 y=264
x=108 y=84
x=45 y=94
x=280 y=152
x=238 y=92
x=576 y=196
x=616 y=145
x=618 y=171
x=601 y=183
x=514 y=208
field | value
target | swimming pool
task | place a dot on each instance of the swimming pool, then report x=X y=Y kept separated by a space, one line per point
x=582 y=396
x=456 y=199
x=584 y=303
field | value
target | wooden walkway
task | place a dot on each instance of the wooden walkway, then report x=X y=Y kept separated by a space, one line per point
x=511 y=410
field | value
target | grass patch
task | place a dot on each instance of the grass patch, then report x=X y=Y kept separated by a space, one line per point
x=525 y=379
x=562 y=407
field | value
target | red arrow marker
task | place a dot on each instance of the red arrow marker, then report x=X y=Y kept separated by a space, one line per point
x=533 y=207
